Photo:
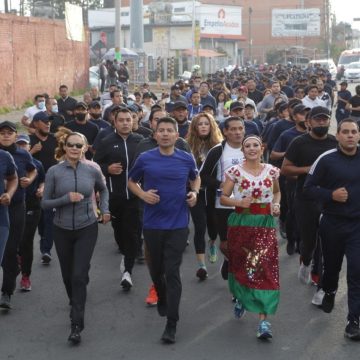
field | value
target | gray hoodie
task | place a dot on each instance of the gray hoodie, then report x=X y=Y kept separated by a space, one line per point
x=61 y=179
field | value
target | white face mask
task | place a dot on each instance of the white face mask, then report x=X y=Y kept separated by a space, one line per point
x=41 y=105
x=55 y=108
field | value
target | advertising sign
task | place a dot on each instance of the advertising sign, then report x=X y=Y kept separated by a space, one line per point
x=218 y=21
x=295 y=22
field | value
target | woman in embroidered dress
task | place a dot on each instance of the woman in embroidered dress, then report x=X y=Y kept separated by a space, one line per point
x=252 y=244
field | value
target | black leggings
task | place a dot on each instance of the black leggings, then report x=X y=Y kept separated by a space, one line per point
x=203 y=217
x=75 y=249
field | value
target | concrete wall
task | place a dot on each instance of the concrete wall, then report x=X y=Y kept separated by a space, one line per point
x=36 y=57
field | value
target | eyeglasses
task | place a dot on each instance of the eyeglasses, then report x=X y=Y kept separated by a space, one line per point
x=71 y=145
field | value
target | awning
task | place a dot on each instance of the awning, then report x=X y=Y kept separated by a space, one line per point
x=202 y=53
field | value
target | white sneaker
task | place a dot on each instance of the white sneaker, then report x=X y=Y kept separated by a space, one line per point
x=126 y=282
x=318 y=297
x=304 y=274
x=122 y=265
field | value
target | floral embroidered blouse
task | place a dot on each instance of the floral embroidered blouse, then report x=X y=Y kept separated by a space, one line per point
x=259 y=187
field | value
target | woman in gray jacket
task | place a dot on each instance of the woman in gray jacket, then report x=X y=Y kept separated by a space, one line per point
x=69 y=187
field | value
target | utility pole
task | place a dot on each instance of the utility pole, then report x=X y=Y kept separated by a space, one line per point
x=250 y=34
x=6 y=6
x=136 y=24
x=117 y=29
x=193 y=34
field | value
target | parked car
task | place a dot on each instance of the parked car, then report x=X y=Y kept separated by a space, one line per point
x=327 y=64
x=352 y=72
x=94 y=77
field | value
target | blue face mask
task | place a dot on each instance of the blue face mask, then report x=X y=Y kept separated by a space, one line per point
x=41 y=105
x=130 y=102
x=55 y=108
x=233 y=96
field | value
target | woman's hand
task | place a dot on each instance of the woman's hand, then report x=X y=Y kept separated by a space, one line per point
x=105 y=218
x=245 y=202
x=75 y=197
x=275 y=209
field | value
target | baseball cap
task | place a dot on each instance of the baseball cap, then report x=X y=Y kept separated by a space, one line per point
x=175 y=87
x=40 y=116
x=94 y=104
x=344 y=83
x=300 y=109
x=81 y=104
x=179 y=105
x=236 y=105
x=8 y=124
x=23 y=138
x=249 y=105
x=131 y=97
x=318 y=112
x=208 y=106
x=133 y=108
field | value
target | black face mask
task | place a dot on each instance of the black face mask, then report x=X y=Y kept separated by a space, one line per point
x=80 y=116
x=302 y=125
x=320 y=130
x=96 y=116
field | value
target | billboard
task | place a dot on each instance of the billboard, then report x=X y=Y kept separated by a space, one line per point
x=218 y=21
x=295 y=22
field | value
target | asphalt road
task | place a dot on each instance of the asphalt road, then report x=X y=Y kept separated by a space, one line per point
x=120 y=326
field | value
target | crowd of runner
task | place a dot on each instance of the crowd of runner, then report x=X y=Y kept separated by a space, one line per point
x=233 y=150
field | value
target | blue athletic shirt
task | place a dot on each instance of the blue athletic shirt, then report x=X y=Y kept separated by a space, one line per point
x=169 y=174
x=7 y=168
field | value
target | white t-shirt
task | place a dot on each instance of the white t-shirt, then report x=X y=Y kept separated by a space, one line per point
x=230 y=157
x=31 y=111
x=312 y=103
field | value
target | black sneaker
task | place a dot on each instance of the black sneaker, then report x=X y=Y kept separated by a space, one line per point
x=290 y=248
x=202 y=273
x=45 y=259
x=5 y=302
x=328 y=302
x=352 y=330
x=75 y=337
x=168 y=336
x=225 y=269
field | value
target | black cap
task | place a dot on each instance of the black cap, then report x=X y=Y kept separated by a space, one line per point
x=94 y=104
x=81 y=104
x=179 y=105
x=300 y=109
x=40 y=116
x=8 y=124
x=175 y=87
x=283 y=106
x=133 y=108
x=23 y=138
x=344 y=83
x=146 y=95
x=236 y=105
x=208 y=106
x=249 y=105
x=319 y=112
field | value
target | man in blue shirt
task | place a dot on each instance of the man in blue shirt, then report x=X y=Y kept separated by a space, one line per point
x=27 y=172
x=8 y=174
x=334 y=181
x=166 y=173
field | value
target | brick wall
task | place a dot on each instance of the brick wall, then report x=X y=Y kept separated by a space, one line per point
x=36 y=57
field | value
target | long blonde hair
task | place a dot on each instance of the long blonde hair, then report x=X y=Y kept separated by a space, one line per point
x=61 y=136
x=198 y=144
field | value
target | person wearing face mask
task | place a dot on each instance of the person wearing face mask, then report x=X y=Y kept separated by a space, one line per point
x=131 y=99
x=52 y=110
x=277 y=155
x=83 y=126
x=299 y=157
x=95 y=116
x=42 y=148
x=39 y=105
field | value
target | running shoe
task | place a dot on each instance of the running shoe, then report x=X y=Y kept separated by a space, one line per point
x=264 y=330
x=352 y=330
x=126 y=281
x=25 y=283
x=304 y=274
x=213 y=256
x=318 y=297
x=152 y=297
x=225 y=269
x=239 y=310
x=328 y=302
x=5 y=301
x=45 y=259
x=202 y=273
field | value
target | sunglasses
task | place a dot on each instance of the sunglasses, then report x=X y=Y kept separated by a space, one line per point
x=71 y=145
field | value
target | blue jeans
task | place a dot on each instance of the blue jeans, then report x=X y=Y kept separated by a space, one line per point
x=46 y=231
x=4 y=233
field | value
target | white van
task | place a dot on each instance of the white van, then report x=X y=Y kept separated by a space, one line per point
x=327 y=64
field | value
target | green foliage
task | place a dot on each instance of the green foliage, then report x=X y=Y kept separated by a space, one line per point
x=275 y=56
